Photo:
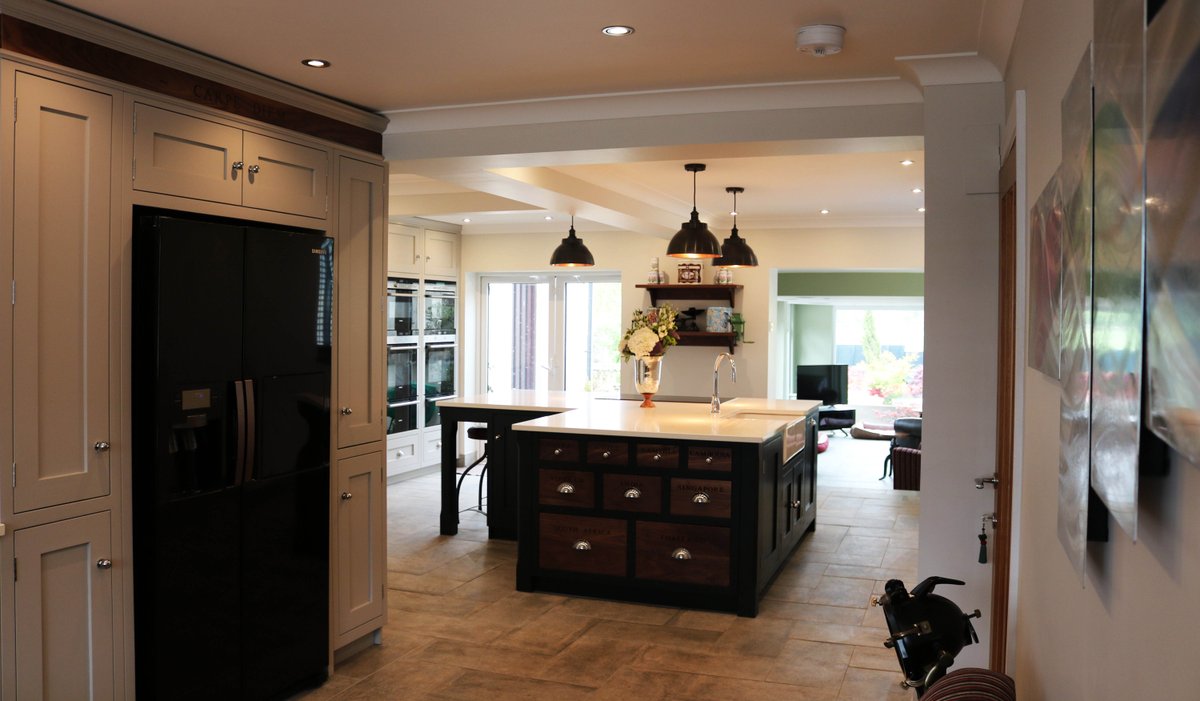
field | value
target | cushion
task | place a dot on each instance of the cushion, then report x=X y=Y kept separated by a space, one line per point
x=972 y=684
x=822 y=442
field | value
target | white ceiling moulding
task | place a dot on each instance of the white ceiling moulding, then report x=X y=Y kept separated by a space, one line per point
x=658 y=103
x=948 y=69
x=113 y=36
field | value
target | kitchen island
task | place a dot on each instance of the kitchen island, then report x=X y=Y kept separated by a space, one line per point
x=670 y=505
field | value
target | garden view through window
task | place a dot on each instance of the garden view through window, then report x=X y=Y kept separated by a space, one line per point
x=885 y=349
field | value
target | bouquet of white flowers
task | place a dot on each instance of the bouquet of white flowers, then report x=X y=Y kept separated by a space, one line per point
x=650 y=333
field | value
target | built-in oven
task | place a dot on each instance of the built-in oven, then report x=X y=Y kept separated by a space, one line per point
x=441 y=311
x=439 y=377
x=403 y=402
x=402 y=310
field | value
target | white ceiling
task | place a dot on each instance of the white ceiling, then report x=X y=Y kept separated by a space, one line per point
x=403 y=57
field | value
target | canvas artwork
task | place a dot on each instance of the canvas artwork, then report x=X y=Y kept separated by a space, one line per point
x=1117 y=257
x=1076 y=360
x=1045 y=280
x=1173 y=226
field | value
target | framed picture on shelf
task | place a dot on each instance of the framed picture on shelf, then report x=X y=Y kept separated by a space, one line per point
x=689 y=273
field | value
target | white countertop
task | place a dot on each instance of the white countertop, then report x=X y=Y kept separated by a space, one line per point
x=521 y=400
x=683 y=421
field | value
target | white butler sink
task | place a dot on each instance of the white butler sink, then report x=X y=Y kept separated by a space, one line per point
x=794 y=432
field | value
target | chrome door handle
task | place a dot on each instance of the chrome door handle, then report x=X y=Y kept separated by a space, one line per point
x=993 y=480
x=347 y=496
x=252 y=169
x=237 y=165
x=101 y=446
x=346 y=411
x=104 y=564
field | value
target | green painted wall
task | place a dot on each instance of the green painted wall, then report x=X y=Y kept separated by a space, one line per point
x=812 y=329
x=851 y=285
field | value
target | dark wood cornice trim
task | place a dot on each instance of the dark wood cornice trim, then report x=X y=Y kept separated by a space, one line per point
x=26 y=38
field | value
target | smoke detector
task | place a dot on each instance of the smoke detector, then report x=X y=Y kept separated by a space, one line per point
x=820 y=39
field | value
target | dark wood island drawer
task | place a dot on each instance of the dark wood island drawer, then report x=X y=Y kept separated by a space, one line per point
x=657 y=455
x=558 y=450
x=567 y=488
x=692 y=497
x=709 y=457
x=607 y=453
x=640 y=493
x=683 y=553
x=582 y=544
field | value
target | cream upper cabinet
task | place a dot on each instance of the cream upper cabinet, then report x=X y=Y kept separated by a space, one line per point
x=359 y=251
x=361 y=576
x=441 y=253
x=416 y=251
x=63 y=598
x=405 y=253
x=63 y=338
x=186 y=156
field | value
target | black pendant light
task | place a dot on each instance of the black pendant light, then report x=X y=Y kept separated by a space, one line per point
x=735 y=252
x=694 y=240
x=571 y=253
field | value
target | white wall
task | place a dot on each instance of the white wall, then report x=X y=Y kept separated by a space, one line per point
x=688 y=370
x=1129 y=631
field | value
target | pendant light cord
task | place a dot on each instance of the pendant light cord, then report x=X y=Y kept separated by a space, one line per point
x=693 y=191
x=735 y=209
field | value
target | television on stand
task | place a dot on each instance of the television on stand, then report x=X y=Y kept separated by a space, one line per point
x=827 y=383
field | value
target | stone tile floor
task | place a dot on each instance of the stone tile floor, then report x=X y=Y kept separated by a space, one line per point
x=457 y=629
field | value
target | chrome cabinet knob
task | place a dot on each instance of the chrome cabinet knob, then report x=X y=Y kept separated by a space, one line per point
x=681 y=554
x=558 y=451
x=797 y=504
x=700 y=498
x=101 y=446
x=347 y=496
x=708 y=460
x=253 y=168
x=565 y=488
x=237 y=165
x=657 y=457
x=496 y=437
x=582 y=545
x=104 y=564
x=606 y=454
x=633 y=493
x=346 y=411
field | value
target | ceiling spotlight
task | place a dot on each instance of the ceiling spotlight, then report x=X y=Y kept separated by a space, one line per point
x=916 y=190
x=906 y=162
x=617 y=30
x=694 y=240
x=820 y=39
x=549 y=218
x=824 y=211
x=921 y=209
x=466 y=220
x=316 y=63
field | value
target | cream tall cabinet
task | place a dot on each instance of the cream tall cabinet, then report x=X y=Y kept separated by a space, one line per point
x=60 y=556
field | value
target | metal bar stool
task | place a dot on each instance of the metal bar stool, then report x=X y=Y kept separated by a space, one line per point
x=478 y=433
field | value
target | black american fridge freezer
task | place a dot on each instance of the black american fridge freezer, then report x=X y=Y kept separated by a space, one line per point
x=232 y=345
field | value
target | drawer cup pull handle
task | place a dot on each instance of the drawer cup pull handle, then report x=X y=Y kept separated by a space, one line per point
x=700 y=498
x=606 y=454
x=582 y=545
x=681 y=554
x=657 y=457
x=565 y=488
x=633 y=493
x=708 y=460
x=558 y=451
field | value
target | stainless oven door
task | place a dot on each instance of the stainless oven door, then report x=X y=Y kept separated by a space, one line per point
x=401 y=373
x=402 y=310
x=441 y=311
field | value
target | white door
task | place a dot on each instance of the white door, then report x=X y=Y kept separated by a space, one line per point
x=285 y=177
x=361 y=558
x=64 y=609
x=61 y=331
x=405 y=253
x=552 y=332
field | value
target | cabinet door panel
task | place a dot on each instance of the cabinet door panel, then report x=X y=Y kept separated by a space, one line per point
x=61 y=331
x=291 y=178
x=405 y=254
x=180 y=155
x=441 y=253
x=361 y=559
x=359 y=254
x=64 y=610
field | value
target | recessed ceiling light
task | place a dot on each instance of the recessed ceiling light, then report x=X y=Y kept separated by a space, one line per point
x=824 y=211
x=466 y=220
x=916 y=190
x=906 y=162
x=617 y=30
x=316 y=63
x=549 y=218
x=921 y=209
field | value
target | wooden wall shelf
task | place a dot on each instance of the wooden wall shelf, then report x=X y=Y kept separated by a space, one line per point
x=690 y=291
x=708 y=338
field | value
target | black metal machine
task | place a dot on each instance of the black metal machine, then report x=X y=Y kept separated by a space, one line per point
x=927 y=630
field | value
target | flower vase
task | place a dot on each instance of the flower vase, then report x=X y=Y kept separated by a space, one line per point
x=647 y=373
